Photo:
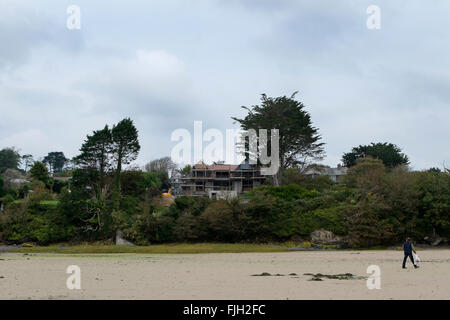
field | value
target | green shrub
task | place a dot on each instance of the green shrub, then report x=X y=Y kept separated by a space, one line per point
x=28 y=222
x=289 y=192
x=221 y=222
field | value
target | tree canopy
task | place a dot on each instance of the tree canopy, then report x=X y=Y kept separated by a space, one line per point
x=125 y=145
x=96 y=153
x=9 y=159
x=388 y=153
x=56 y=161
x=299 y=140
x=367 y=175
x=39 y=172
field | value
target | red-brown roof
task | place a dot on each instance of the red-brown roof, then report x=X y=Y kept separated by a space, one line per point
x=222 y=167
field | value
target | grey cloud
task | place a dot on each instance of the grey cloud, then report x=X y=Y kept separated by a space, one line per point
x=204 y=60
x=23 y=28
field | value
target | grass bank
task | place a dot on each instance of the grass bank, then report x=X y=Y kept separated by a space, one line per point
x=157 y=249
x=52 y=203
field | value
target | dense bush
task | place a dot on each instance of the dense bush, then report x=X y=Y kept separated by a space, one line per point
x=271 y=214
x=375 y=206
x=319 y=183
x=33 y=222
x=58 y=185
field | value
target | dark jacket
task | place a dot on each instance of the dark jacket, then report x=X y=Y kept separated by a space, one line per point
x=408 y=247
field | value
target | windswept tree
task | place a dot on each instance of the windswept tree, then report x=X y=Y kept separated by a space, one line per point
x=9 y=159
x=55 y=161
x=96 y=153
x=389 y=153
x=89 y=190
x=299 y=140
x=125 y=149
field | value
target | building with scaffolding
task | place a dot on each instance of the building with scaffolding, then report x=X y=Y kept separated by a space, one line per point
x=221 y=181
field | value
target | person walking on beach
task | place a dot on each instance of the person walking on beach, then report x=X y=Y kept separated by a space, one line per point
x=408 y=249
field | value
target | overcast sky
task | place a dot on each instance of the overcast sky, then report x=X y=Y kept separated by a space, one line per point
x=168 y=63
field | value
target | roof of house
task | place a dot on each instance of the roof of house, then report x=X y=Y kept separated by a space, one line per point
x=200 y=165
x=19 y=181
x=223 y=167
x=245 y=165
x=336 y=171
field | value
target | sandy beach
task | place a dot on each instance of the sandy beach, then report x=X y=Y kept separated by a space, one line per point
x=224 y=276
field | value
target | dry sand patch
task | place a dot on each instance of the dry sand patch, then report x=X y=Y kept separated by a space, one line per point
x=224 y=276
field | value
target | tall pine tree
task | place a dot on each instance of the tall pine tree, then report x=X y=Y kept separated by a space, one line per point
x=299 y=141
x=96 y=153
x=125 y=149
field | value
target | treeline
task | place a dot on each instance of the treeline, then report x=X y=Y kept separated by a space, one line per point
x=379 y=202
x=375 y=206
x=19 y=174
x=91 y=204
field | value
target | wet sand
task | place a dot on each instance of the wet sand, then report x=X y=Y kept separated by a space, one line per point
x=224 y=276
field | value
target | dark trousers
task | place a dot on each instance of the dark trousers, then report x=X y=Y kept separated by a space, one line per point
x=408 y=254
